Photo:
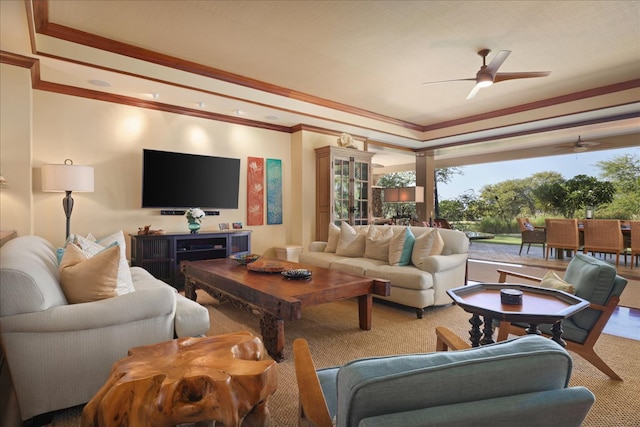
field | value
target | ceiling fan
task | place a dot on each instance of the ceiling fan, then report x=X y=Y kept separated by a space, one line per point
x=488 y=74
x=581 y=146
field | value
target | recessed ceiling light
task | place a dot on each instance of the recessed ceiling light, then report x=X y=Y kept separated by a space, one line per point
x=155 y=95
x=100 y=83
x=201 y=104
x=238 y=112
x=272 y=117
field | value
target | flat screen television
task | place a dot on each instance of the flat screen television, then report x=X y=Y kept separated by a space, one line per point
x=178 y=180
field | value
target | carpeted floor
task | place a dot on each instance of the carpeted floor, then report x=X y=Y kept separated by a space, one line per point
x=334 y=337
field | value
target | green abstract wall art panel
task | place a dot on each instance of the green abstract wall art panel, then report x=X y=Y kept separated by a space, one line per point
x=274 y=191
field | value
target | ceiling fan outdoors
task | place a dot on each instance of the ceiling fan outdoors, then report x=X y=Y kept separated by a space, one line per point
x=488 y=74
x=581 y=146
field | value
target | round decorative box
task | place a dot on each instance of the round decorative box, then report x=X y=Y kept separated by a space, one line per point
x=511 y=296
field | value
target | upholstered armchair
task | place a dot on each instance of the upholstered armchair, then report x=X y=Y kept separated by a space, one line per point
x=597 y=282
x=521 y=382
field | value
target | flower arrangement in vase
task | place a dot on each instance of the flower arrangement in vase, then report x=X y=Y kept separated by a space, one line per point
x=194 y=217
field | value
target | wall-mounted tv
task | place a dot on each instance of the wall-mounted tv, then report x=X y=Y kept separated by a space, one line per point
x=178 y=180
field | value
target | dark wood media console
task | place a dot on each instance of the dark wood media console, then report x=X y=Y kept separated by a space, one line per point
x=161 y=254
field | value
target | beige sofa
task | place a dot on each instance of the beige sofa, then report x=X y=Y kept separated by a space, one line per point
x=60 y=354
x=414 y=286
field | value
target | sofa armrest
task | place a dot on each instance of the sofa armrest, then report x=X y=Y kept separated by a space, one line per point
x=118 y=310
x=317 y=246
x=502 y=276
x=437 y=263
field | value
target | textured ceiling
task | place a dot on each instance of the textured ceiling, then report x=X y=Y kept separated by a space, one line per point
x=358 y=66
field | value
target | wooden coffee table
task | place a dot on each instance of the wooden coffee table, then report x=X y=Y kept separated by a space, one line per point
x=539 y=305
x=276 y=298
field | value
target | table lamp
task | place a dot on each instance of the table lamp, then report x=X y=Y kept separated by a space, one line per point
x=67 y=178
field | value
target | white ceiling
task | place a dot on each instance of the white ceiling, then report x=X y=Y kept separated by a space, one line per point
x=358 y=66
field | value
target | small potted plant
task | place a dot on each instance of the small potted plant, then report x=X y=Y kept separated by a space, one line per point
x=194 y=217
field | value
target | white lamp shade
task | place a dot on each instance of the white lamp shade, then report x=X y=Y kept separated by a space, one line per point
x=67 y=178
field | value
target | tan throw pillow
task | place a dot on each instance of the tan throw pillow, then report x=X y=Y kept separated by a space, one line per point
x=377 y=243
x=422 y=246
x=551 y=280
x=351 y=242
x=438 y=244
x=86 y=279
x=400 y=247
x=332 y=240
x=90 y=247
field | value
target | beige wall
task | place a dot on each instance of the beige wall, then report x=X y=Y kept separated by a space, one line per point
x=15 y=149
x=110 y=137
x=42 y=127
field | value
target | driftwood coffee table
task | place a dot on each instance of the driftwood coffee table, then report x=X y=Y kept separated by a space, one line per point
x=225 y=378
x=276 y=298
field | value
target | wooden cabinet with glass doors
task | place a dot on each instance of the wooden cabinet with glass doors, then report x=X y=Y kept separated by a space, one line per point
x=343 y=188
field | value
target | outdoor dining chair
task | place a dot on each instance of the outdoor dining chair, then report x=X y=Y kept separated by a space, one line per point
x=562 y=234
x=635 y=242
x=531 y=234
x=605 y=236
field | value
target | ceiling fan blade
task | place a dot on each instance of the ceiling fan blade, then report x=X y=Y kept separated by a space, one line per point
x=500 y=77
x=473 y=92
x=472 y=79
x=492 y=68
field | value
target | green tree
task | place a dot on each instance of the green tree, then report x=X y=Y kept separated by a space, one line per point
x=624 y=173
x=443 y=176
x=575 y=194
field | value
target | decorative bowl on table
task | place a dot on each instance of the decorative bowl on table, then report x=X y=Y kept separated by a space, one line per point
x=244 y=259
x=297 y=274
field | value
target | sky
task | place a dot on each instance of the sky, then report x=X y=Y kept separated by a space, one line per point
x=569 y=165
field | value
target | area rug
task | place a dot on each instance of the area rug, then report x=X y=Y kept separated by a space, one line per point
x=485 y=271
x=334 y=338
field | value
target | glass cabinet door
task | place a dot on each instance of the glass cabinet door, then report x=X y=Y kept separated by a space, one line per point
x=350 y=191
x=340 y=190
x=359 y=213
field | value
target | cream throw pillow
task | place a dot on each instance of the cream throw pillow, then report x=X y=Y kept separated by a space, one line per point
x=90 y=247
x=551 y=280
x=351 y=242
x=85 y=279
x=377 y=243
x=438 y=243
x=422 y=246
x=332 y=240
x=400 y=247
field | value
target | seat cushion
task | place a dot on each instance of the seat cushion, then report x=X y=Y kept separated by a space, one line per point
x=593 y=280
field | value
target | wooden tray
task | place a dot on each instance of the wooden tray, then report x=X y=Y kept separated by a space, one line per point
x=268 y=266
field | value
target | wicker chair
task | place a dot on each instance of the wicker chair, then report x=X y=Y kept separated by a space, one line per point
x=604 y=235
x=635 y=242
x=562 y=234
x=531 y=235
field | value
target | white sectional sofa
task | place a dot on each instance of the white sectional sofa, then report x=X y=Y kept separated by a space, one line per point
x=420 y=284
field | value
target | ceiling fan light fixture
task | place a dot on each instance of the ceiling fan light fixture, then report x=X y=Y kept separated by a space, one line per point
x=484 y=80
